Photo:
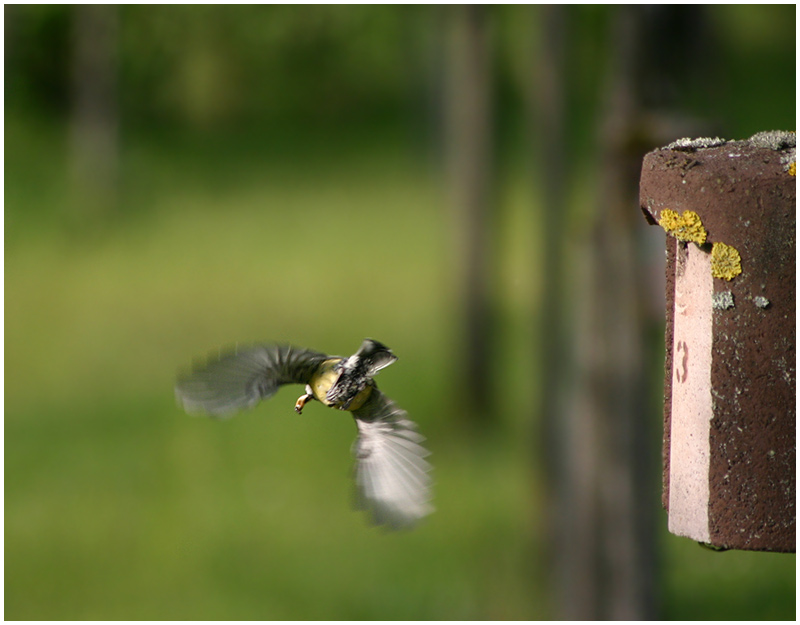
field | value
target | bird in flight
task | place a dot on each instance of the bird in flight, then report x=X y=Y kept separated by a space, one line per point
x=392 y=476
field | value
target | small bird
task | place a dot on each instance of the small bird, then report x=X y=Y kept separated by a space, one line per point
x=391 y=474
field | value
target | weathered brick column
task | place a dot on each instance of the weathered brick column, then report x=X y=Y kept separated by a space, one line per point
x=728 y=208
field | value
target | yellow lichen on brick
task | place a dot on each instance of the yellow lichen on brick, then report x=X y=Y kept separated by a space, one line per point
x=793 y=168
x=725 y=261
x=686 y=227
x=669 y=220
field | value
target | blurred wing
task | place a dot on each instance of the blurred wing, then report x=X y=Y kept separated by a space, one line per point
x=239 y=379
x=392 y=475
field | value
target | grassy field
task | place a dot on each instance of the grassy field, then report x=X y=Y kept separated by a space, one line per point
x=119 y=506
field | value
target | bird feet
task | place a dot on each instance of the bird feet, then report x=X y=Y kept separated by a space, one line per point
x=301 y=402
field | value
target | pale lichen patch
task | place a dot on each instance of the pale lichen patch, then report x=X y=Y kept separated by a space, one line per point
x=774 y=139
x=722 y=300
x=689 y=145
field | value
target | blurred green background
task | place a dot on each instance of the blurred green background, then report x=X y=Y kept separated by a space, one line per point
x=182 y=178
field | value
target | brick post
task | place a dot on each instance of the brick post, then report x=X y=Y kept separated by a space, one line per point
x=728 y=208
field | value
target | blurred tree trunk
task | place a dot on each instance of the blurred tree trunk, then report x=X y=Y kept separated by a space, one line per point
x=95 y=114
x=603 y=443
x=469 y=157
x=615 y=554
x=546 y=102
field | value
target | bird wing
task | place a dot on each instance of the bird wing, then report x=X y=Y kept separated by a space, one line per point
x=370 y=358
x=391 y=473
x=375 y=355
x=232 y=381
